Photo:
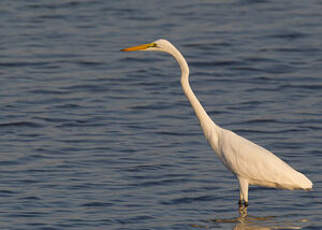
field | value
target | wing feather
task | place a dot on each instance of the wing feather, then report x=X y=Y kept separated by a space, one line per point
x=258 y=165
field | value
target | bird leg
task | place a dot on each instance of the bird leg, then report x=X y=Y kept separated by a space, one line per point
x=243 y=192
x=242 y=203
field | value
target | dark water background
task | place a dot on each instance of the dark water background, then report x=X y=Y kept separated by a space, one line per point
x=92 y=138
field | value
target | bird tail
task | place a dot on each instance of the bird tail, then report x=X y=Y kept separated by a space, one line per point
x=304 y=182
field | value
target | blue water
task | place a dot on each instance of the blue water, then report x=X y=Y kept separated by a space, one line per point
x=92 y=138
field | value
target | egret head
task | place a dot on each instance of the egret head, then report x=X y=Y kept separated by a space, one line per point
x=158 y=45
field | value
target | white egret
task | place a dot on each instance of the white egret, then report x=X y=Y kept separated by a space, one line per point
x=251 y=163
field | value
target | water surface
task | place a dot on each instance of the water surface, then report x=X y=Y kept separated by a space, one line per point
x=92 y=138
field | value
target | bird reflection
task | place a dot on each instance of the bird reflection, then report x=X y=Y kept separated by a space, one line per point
x=243 y=217
x=242 y=211
x=247 y=222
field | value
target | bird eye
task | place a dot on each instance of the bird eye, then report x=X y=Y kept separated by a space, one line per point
x=153 y=45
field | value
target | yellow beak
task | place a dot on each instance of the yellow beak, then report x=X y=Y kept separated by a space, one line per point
x=140 y=47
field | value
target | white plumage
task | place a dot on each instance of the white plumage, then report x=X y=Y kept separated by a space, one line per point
x=251 y=163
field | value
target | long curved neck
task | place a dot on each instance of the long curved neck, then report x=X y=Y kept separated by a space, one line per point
x=205 y=121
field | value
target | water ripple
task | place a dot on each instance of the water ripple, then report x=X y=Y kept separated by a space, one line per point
x=95 y=138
